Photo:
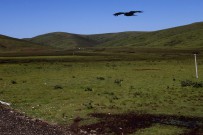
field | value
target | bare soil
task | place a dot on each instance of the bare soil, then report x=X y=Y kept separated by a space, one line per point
x=15 y=123
x=129 y=123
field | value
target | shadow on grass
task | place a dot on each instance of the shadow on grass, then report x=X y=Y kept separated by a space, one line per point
x=132 y=122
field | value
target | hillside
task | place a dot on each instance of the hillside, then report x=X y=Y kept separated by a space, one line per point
x=9 y=44
x=67 y=40
x=63 y=40
x=109 y=37
x=188 y=36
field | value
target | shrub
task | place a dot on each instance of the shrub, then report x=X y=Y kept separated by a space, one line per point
x=88 y=105
x=132 y=87
x=38 y=67
x=100 y=78
x=109 y=93
x=137 y=94
x=24 y=81
x=118 y=81
x=188 y=83
x=198 y=85
x=58 y=87
x=88 y=89
x=13 y=82
x=114 y=97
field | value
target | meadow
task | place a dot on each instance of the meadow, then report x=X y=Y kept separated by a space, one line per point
x=62 y=88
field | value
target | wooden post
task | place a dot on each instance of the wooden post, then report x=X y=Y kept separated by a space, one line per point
x=196 y=65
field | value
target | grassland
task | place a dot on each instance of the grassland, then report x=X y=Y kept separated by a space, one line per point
x=188 y=36
x=63 y=40
x=59 y=89
x=13 y=45
x=108 y=80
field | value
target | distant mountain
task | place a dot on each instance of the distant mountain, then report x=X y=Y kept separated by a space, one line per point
x=9 y=44
x=63 y=40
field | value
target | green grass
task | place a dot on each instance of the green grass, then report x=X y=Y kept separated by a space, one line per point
x=161 y=130
x=147 y=86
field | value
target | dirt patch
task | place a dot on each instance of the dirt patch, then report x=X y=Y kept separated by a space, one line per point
x=15 y=123
x=130 y=123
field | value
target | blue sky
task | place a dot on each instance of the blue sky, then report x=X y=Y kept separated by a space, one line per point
x=29 y=18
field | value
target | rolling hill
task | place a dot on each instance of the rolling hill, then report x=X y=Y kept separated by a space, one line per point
x=63 y=40
x=109 y=37
x=188 y=36
x=9 y=44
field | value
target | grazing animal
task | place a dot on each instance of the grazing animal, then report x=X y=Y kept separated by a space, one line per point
x=131 y=13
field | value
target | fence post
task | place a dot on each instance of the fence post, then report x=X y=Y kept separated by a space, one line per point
x=196 y=65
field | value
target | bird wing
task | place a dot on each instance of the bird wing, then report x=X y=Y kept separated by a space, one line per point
x=119 y=13
x=136 y=12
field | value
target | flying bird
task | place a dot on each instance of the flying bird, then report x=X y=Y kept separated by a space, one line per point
x=131 y=13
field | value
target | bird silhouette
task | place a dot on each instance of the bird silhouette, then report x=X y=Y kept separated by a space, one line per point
x=131 y=13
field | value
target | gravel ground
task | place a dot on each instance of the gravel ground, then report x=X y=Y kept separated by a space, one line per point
x=15 y=123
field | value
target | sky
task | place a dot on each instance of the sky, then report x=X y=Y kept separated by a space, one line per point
x=29 y=18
